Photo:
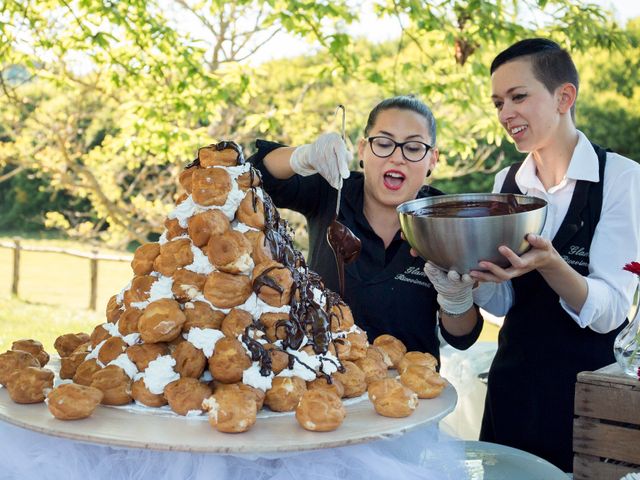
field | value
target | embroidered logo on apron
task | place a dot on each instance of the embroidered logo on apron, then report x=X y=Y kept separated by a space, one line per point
x=576 y=256
x=414 y=275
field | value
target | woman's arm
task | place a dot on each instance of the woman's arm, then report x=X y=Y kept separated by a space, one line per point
x=460 y=325
x=278 y=162
x=564 y=280
x=328 y=156
x=458 y=315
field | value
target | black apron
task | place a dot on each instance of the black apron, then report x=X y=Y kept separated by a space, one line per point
x=541 y=349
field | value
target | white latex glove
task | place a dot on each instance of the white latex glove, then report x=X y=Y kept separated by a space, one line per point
x=454 y=290
x=328 y=156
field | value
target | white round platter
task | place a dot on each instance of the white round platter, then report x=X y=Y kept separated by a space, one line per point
x=119 y=427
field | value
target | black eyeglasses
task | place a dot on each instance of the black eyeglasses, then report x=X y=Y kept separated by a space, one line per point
x=412 y=150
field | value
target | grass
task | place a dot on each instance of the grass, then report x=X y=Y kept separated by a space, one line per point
x=57 y=279
x=53 y=294
x=20 y=319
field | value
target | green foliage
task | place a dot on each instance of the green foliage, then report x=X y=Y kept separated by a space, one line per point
x=105 y=101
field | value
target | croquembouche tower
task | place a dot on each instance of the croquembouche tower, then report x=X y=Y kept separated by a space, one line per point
x=223 y=315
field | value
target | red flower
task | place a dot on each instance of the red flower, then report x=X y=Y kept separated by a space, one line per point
x=633 y=267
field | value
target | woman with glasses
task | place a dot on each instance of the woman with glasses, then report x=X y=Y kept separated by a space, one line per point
x=386 y=287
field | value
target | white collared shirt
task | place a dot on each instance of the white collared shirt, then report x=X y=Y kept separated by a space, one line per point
x=616 y=240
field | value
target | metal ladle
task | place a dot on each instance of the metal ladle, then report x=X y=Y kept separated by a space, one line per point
x=345 y=245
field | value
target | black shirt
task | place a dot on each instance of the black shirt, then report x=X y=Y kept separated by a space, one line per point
x=387 y=289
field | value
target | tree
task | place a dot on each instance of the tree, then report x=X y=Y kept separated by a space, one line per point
x=112 y=98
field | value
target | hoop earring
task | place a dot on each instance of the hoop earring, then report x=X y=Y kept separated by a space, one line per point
x=361 y=164
x=428 y=173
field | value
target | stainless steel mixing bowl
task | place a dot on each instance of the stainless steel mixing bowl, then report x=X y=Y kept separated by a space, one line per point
x=459 y=243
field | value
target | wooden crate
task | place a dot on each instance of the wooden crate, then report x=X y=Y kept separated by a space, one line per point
x=606 y=429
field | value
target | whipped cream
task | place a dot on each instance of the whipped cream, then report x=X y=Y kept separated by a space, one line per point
x=201 y=263
x=319 y=297
x=299 y=370
x=161 y=288
x=244 y=263
x=256 y=307
x=242 y=227
x=234 y=198
x=204 y=338
x=131 y=339
x=120 y=296
x=183 y=211
x=211 y=404
x=329 y=363
x=125 y=364
x=235 y=172
x=94 y=353
x=112 y=329
x=159 y=374
x=251 y=376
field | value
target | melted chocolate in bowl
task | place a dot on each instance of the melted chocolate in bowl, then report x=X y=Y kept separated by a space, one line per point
x=475 y=208
x=346 y=248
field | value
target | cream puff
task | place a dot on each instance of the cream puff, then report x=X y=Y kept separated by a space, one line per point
x=33 y=347
x=67 y=343
x=320 y=410
x=392 y=399
x=285 y=393
x=186 y=394
x=73 y=402
x=393 y=347
x=423 y=380
x=161 y=321
x=30 y=385
x=201 y=315
x=205 y=224
x=225 y=290
x=143 y=258
x=229 y=360
x=210 y=186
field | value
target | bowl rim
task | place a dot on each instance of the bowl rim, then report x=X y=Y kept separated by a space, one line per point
x=406 y=208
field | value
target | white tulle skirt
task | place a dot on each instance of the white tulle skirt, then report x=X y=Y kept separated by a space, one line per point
x=424 y=453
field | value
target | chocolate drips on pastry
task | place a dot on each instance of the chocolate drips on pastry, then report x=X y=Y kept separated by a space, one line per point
x=264 y=280
x=258 y=352
x=224 y=145
x=307 y=319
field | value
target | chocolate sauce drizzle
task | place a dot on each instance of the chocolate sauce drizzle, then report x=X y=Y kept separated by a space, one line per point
x=265 y=280
x=307 y=319
x=258 y=352
x=224 y=145
x=346 y=248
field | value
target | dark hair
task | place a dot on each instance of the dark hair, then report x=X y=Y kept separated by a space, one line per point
x=552 y=65
x=403 y=102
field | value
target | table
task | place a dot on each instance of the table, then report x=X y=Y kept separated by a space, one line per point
x=490 y=461
x=420 y=454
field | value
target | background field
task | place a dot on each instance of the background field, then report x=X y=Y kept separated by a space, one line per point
x=54 y=295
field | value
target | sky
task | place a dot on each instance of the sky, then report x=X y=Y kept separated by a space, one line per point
x=622 y=9
x=378 y=30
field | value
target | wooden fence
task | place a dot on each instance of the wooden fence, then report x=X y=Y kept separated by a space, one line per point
x=94 y=257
